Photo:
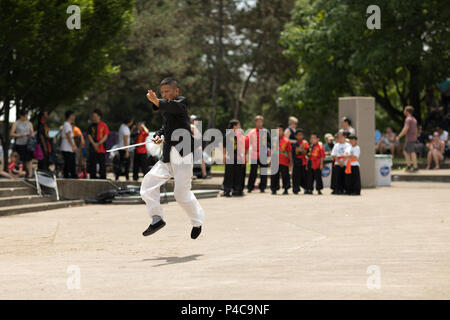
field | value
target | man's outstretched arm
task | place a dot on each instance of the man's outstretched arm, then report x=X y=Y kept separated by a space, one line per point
x=171 y=106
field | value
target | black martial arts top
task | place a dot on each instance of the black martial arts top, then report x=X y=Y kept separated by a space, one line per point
x=175 y=116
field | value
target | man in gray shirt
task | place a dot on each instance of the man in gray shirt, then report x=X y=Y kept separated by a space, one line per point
x=410 y=132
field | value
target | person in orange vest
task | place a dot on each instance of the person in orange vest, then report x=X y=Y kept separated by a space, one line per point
x=315 y=155
x=255 y=137
x=285 y=164
x=339 y=160
x=352 y=175
x=298 y=172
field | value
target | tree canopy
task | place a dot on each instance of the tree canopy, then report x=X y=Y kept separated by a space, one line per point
x=337 y=55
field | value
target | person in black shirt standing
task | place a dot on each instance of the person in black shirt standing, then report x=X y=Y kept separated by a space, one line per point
x=177 y=159
x=237 y=145
x=43 y=139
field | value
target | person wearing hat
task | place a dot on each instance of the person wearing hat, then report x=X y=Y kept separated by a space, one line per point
x=329 y=143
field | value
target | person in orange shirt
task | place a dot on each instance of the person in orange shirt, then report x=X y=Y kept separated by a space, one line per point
x=315 y=155
x=256 y=136
x=285 y=164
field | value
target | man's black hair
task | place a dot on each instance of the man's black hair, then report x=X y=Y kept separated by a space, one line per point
x=127 y=119
x=98 y=111
x=232 y=123
x=41 y=114
x=314 y=134
x=299 y=130
x=352 y=137
x=169 y=81
x=23 y=112
x=69 y=113
x=281 y=126
x=348 y=121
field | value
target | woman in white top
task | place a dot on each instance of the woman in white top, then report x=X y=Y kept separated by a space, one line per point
x=352 y=174
x=22 y=130
x=436 y=153
x=124 y=155
x=68 y=147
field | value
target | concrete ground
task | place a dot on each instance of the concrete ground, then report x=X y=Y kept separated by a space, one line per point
x=432 y=172
x=390 y=243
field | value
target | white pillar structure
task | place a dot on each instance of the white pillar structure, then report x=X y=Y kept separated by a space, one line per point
x=361 y=111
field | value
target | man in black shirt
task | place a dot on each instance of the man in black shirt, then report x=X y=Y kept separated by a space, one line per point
x=177 y=159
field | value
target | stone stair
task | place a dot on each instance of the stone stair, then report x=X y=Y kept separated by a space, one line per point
x=17 y=196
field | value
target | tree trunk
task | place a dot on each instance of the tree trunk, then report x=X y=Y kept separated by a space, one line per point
x=5 y=136
x=217 y=68
x=414 y=92
x=212 y=115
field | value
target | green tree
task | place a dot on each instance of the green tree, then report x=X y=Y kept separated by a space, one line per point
x=44 y=63
x=336 y=54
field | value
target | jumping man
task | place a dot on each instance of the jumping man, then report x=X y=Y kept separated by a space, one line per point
x=174 y=163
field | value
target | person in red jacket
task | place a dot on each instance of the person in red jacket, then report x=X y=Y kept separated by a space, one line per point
x=97 y=135
x=140 y=154
x=315 y=155
x=285 y=164
x=300 y=161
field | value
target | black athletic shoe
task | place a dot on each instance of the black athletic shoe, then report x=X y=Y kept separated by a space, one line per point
x=319 y=192
x=261 y=191
x=226 y=194
x=295 y=192
x=154 y=227
x=196 y=232
x=238 y=193
x=285 y=192
x=274 y=192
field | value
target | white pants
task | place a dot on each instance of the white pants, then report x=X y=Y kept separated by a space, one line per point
x=181 y=170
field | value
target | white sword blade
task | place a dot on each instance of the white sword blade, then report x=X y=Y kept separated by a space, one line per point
x=127 y=147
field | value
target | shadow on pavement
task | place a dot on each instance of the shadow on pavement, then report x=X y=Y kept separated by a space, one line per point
x=173 y=260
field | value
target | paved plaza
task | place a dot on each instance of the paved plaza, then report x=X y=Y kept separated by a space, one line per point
x=390 y=243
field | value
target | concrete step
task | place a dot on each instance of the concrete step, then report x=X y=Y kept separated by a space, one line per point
x=199 y=194
x=420 y=177
x=9 y=183
x=20 y=200
x=6 y=211
x=17 y=191
x=400 y=165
